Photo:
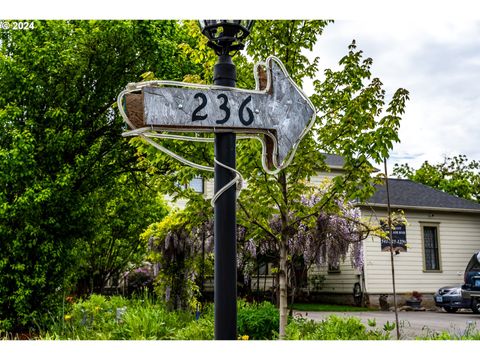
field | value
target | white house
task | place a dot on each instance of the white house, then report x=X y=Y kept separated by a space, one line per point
x=433 y=249
x=442 y=233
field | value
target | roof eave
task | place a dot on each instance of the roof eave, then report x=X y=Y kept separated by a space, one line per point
x=425 y=208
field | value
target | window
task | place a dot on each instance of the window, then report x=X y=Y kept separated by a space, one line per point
x=334 y=269
x=431 y=251
x=474 y=263
x=197 y=185
x=263 y=269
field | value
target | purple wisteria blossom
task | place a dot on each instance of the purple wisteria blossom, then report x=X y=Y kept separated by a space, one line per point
x=320 y=239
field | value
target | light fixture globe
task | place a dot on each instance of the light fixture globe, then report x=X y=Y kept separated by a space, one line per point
x=225 y=36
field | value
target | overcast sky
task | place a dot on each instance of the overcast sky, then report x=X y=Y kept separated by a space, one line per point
x=438 y=61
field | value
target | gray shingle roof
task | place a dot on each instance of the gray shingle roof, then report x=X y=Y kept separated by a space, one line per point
x=335 y=161
x=408 y=193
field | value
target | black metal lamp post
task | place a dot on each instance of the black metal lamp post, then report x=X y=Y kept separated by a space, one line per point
x=225 y=37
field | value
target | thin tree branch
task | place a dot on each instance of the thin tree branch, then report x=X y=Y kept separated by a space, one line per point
x=255 y=222
x=271 y=192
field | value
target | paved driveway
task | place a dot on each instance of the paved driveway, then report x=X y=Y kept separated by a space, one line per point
x=412 y=323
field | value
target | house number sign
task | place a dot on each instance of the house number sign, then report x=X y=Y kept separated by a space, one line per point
x=279 y=109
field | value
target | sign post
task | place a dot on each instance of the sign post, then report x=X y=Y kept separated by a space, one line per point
x=225 y=223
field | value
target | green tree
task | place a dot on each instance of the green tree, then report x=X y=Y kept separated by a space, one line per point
x=118 y=215
x=354 y=121
x=61 y=146
x=454 y=175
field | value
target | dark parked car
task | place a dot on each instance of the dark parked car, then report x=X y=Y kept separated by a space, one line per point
x=471 y=288
x=450 y=298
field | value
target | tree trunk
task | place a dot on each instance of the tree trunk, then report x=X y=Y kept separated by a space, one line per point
x=283 y=287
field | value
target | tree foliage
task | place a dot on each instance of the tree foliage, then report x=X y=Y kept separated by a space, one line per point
x=62 y=157
x=455 y=175
x=62 y=154
x=118 y=215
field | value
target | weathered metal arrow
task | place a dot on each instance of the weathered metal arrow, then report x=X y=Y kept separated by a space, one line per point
x=278 y=108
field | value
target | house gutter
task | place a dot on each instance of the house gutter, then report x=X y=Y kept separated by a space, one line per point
x=425 y=208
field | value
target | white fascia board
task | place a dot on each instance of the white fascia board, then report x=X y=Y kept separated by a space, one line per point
x=425 y=208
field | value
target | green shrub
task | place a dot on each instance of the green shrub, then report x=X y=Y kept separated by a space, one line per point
x=203 y=329
x=93 y=318
x=259 y=321
x=332 y=328
x=115 y=318
x=96 y=318
x=147 y=323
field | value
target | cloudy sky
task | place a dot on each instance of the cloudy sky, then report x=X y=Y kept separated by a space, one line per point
x=438 y=61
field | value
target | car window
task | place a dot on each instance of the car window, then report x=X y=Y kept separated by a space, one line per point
x=474 y=264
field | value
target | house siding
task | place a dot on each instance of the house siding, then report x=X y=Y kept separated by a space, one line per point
x=458 y=237
x=178 y=204
x=181 y=203
x=341 y=282
x=209 y=188
x=321 y=176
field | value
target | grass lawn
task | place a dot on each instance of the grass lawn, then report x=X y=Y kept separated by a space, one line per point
x=329 y=307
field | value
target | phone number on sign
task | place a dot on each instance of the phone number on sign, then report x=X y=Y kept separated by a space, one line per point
x=17 y=25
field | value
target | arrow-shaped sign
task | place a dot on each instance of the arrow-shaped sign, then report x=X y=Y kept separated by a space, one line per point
x=280 y=109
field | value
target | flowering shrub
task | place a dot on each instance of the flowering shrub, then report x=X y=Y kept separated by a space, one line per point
x=116 y=318
x=323 y=238
x=177 y=245
x=145 y=319
x=416 y=295
x=314 y=237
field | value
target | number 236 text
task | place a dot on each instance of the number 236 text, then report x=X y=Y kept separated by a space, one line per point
x=245 y=114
